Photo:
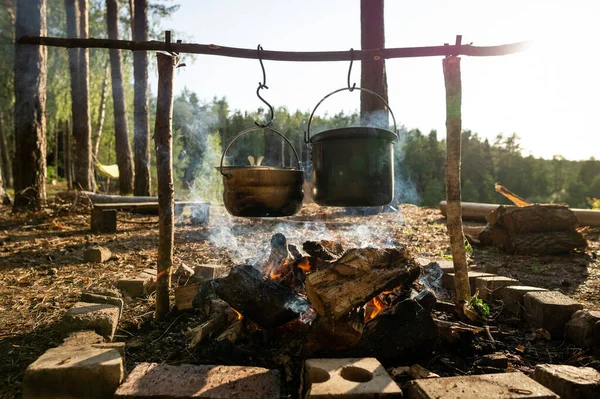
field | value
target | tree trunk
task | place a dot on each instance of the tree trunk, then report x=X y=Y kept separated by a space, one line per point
x=57 y=129
x=122 y=146
x=67 y=153
x=30 y=107
x=372 y=75
x=141 y=131
x=163 y=143
x=6 y=166
x=462 y=289
x=101 y=113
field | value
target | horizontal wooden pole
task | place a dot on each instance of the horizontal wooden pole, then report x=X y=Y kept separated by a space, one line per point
x=213 y=49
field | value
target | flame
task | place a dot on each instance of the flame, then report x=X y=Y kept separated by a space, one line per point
x=304 y=264
x=378 y=306
x=273 y=275
x=239 y=315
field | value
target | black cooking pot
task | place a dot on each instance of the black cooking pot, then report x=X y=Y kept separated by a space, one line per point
x=262 y=191
x=352 y=166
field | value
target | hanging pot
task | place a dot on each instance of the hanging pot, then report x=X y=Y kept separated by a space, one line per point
x=352 y=166
x=262 y=191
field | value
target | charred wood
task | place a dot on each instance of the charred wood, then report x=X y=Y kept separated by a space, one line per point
x=221 y=315
x=357 y=276
x=334 y=334
x=325 y=250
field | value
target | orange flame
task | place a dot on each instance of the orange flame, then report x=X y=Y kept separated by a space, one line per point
x=304 y=264
x=239 y=315
x=273 y=275
x=379 y=306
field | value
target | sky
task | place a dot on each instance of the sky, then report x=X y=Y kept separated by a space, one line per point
x=549 y=95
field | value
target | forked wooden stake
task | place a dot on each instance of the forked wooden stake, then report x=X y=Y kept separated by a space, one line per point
x=163 y=144
x=453 y=142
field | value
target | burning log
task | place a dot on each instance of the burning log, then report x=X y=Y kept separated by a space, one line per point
x=325 y=250
x=358 y=276
x=280 y=259
x=261 y=300
x=327 y=334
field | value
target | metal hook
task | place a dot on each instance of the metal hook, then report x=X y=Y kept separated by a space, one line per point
x=261 y=86
x=351 y=88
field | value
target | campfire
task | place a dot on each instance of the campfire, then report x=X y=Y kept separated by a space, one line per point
x=355 y=301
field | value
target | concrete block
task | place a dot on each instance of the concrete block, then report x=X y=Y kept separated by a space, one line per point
x=90 y=297
x=580 y=330
x=137 y=287
x=104 y=221
x=96 y=254
x=348 y=378
x=489 y=386
x=152 y=380
x=490 y=288
x=448 y=279
x=74 y=372
x=569 y=382
x=512 y=296
x=81 y=338
x=209 y=272
x=101 y=318
x=550 y=310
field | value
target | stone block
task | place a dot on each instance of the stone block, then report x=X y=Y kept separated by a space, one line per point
x=512 y=296
x=348 y=378
x=104 y=221
x=580 y=330
x=550 y=310
x=209 y=272
x=81 y=338
x=90 y=297
x=448 y=279
x=489 y=386
x=569 y=382
x=74 y=372
x=96 y=254
x=101 y=318
x=137 y=287
x=152 y=380
x=490 y=288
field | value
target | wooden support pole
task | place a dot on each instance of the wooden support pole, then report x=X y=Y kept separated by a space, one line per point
x=163 y=145
x=213 y=49
x=453 y=144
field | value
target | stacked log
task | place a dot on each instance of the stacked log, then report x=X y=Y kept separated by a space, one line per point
x=533 y=230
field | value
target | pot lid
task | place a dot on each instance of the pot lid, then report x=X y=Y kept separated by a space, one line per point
x=358 y=132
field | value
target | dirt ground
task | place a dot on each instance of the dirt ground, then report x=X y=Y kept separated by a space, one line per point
x=43 y=274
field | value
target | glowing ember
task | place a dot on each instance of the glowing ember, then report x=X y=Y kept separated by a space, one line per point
x=274 y=276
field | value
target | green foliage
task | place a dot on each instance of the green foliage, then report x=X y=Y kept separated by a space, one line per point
x=479 y=307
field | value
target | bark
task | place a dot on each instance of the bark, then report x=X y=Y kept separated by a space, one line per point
x=57 y=129
x=141 y=131
x=462 y=292
x=122 y=146
x=534 y=218
x=163 y=135
x=373 y=76
x=101 y=114
x=6 y=164
x=30 y=108
x=67 y=154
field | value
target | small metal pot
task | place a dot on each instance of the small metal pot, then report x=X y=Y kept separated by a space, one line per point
x=352 y=166
x=262 y=191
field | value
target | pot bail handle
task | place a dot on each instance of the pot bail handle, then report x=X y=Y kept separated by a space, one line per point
x=307 y=132
x=251 y=129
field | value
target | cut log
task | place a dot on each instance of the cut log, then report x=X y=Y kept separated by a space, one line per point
x=221 y=315
x=327 y=334
x=358 y=276
x=452 y=333
x=184 y=295
x=280 y=261
x=545 y=243
x=261 y=300
x=403 y=331
x=325 y=249
x=533 y=218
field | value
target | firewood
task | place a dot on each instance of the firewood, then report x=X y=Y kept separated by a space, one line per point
x=545 y=243
x=220 y=317
x=329 y=334
x=451 y=332
x=280 y=260
x=357 y=276
x=184 y=295
x=261 y=300
x=534 y=218
x=325 y=249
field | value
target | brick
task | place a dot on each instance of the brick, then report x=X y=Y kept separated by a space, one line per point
x=101 y=318
x=104 y=221
x=489 y=386
x=137 y=287
x=96 y=254
x=74 y=372
x=448 y=279
x=490 y=288
x=569 y=382
x=580 y=329
x=550 y=310
x=512 y=296
x=209 y=272
x=152 y=380
x=348 y=378
x=81 y=338
x=90 y=297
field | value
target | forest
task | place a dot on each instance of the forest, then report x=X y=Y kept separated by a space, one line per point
x=202 y=128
